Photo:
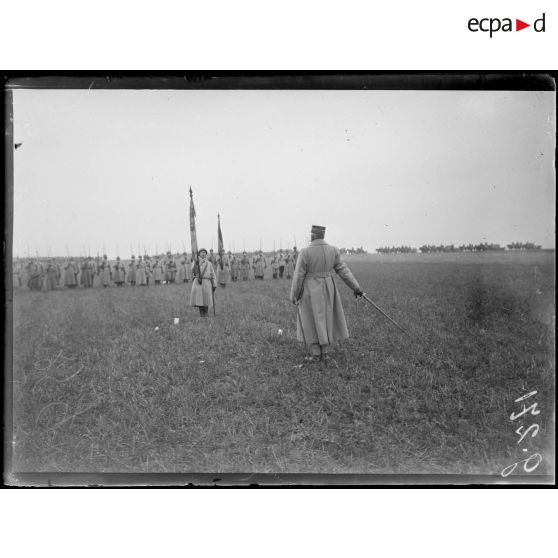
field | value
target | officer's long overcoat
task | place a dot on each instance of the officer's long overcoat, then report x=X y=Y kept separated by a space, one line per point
x=321 y=311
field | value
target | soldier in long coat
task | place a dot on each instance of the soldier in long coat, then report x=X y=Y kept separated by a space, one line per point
x=119 y=273
x=235 y=268
x=31 y=275
x=82 y=271
x=88 y=272
x=157 y=272
x=321 y=319
x=260 y=266
x=187 y=268
x=105 y=272
x=141 y=276
x=245 y=267
x=35 y=275
x=58 y=274
x=223 y=273
x=289 y=266
x=51 y=273
x=131 y=275
x=180 y=273
x=97 y=279
x=275 y=266
x=148 y=270
x=203 y=284
x=71 y=270
x=281 y=264
x=170 y=268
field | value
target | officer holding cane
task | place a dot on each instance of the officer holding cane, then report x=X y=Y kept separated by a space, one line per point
x=321 y=319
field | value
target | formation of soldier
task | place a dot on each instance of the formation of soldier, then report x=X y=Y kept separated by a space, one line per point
x=47 y=274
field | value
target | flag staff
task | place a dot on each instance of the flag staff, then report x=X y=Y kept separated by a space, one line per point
x=193 y=237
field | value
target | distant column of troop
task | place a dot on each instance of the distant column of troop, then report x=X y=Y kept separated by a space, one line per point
x=40 y=274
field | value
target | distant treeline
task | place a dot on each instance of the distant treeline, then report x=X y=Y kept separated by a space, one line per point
x=432 y=248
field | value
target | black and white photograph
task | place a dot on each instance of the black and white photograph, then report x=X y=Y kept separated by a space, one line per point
x=280 y=279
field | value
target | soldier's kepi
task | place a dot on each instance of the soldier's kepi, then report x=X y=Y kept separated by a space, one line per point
x=321 y=317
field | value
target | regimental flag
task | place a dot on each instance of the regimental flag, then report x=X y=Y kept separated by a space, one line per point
x=220 y=245
x=193 y=237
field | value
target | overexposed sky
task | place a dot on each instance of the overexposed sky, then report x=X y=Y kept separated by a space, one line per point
x=112 y=168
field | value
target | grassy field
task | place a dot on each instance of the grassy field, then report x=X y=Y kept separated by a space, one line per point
x=98 y=388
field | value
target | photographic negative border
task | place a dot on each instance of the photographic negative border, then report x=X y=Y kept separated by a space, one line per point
x=415 y=80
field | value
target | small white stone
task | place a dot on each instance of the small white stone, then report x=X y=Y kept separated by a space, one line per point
x=280 y=332
x=157 y=328
x=176 y=320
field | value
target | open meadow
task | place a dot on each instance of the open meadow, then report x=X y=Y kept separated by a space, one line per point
x=98 y=388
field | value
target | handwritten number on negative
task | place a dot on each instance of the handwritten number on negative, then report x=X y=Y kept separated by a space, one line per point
x=528 y=469
x=522 y=434
x=532 y=409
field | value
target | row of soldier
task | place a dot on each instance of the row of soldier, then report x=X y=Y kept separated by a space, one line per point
x=91 y=272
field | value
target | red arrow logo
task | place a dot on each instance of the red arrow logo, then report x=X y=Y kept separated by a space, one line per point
x=519 y=25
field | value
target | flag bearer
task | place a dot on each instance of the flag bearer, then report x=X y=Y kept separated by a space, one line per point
x=203 y=285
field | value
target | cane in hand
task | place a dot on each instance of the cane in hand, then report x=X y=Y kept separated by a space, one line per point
x=299 y=317
x=359 y=293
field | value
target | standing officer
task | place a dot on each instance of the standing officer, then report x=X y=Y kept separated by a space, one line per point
x=321 y=320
